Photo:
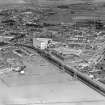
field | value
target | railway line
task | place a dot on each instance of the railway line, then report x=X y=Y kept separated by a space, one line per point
x=47 y=85
x=75 y=73
x=100 y=88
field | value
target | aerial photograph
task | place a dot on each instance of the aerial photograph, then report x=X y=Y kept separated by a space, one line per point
x=52 y=52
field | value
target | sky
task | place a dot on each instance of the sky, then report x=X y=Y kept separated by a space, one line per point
x=24 y=1
x=11 y=1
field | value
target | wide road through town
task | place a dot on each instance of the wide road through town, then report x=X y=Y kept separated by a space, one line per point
x=44 y=84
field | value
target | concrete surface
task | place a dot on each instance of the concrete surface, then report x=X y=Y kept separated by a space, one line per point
x=44 y=84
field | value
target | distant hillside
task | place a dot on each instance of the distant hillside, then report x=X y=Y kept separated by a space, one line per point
x=55 y=2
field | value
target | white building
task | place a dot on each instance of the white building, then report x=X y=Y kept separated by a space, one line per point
x=68 y=51
x=41 y=43
x=5 y=69
x=5 y=38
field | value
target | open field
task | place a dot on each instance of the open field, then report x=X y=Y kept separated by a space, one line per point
x=44 y=84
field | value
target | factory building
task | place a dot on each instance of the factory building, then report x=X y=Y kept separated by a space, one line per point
x=41 y=43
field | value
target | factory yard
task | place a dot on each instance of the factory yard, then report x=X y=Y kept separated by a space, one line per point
x=44 y=84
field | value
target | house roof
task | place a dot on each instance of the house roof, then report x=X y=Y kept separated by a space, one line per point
x=43 y=39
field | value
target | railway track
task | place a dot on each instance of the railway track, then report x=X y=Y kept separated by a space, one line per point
x=100 y=88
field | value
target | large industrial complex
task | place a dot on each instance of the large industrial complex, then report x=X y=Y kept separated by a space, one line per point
x=52 y=52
